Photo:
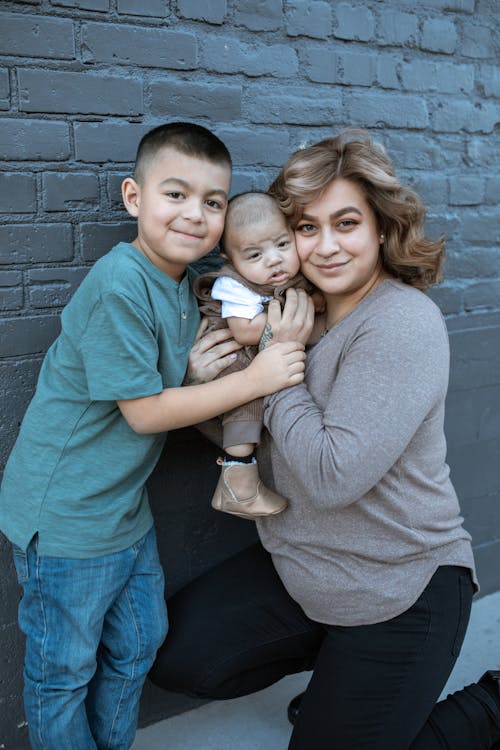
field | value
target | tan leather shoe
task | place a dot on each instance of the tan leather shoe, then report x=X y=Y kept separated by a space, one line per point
x=241 y=493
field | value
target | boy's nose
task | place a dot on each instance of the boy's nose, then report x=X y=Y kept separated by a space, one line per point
x=193 y=210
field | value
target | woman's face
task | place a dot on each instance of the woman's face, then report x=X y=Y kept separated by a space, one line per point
x=338 y=242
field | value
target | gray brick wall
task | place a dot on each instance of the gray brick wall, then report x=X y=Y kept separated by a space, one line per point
x=82 y=80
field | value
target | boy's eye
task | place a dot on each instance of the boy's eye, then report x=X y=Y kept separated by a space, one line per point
x=175 y=194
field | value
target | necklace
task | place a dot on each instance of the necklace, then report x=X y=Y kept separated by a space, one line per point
x=373 y=285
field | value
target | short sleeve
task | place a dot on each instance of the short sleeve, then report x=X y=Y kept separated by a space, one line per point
x=120 y=351
x=237 y=300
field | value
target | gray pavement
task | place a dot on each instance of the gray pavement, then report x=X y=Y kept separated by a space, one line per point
x=258 y=721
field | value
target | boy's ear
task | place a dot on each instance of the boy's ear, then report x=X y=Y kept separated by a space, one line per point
x=131 y=194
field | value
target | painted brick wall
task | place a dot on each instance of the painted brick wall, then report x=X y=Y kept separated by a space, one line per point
x=82 y=80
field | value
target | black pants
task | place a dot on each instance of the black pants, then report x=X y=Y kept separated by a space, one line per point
x=236 y=630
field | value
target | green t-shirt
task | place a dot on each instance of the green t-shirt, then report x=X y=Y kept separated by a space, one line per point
x=77 y=472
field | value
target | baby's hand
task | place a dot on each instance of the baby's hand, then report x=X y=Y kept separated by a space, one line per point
x=319 y=301
x=278 y=366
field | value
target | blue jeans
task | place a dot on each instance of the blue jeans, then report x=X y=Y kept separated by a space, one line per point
x=92 y=627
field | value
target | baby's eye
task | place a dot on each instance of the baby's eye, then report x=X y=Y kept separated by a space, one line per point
x=253 y=256
x=283 y=243
x=214 y=204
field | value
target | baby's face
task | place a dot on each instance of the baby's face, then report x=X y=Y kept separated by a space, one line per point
x=264 y=253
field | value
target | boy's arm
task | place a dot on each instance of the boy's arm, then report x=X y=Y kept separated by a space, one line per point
x=278 y=366
x=247 y=332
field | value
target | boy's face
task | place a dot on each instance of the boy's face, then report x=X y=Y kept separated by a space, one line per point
x=180 y=209
x=263 y=253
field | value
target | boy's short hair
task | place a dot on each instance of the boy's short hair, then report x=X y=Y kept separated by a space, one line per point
x=187 y=138
x=246 y=209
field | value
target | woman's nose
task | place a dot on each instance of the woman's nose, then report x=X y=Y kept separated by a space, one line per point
x=327 y=244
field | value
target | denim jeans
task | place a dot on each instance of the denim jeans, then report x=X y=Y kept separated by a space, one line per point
x=92 y=628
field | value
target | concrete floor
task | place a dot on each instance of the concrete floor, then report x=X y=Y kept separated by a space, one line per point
x=258 y=721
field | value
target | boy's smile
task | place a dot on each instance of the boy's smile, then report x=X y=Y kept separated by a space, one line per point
x=180 y=208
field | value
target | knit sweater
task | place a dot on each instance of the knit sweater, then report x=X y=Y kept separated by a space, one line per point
x=359 y=451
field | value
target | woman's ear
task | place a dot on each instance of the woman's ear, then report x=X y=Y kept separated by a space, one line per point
x=131 y=193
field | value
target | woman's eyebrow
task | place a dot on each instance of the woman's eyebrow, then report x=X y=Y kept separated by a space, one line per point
x=336 y=214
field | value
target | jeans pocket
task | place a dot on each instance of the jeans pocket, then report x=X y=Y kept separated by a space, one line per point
x=20 y=564
x=465 y=591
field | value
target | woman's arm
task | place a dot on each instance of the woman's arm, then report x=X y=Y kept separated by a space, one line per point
x=369 y=402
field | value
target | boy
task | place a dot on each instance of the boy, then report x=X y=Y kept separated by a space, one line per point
x=73 y=500
x=262 y=264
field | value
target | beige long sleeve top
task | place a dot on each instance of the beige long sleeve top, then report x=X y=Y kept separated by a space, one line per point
x=359 y=451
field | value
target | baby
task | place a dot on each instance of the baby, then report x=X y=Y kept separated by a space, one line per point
x=262 y=263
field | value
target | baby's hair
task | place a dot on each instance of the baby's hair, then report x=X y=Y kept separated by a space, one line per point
x=187 y=138
x=400 y=214
x=246 y=209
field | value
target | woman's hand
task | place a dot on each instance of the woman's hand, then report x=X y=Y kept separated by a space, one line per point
x=280 y=365
x=295 y=323
x=210 y=354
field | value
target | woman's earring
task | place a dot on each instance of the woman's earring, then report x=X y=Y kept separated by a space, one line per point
x=382 y=238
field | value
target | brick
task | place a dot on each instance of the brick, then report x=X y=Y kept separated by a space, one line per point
x=96 y=5
x=473 y=262
x=66 y=191
x=466 y=190
x=489 y=79
x=17 y=192
x=387 y=71
x=242 y=181
x=475 y=465
x=477 y=41
x=114 y=189
x=478 y=513
x=107 y=141
x=320 y=64
x=441 y=224
x=439 y=36
x=144 y=8
x=396 y=28
x=492 y=189
x=4 y=89
x=449 y=298
x=33 y=140
x=449 y=78
x=54 y=287
x=481 y=228
x=97 y=239
x=387 y=110
x=432 y=188
x=483 y=152
x=354 y=22
x=138 y=45
x=461 y=6
x=452 y=116
x=35 y=36
x=35 y=243
x=22 y=336
x=313 y=19
x=210 y=11
x=231 y=55
x=475 y=357
x=80 y=93
x=256 y=148
x=303 y=108
x=476 y=417
x=186 y=100
x=259 y=15
x=11 y=290
x=483 y=294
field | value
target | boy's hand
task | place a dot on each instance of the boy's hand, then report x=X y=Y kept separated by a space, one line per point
x=295 y=323
x=278 y=366
x=210 y=354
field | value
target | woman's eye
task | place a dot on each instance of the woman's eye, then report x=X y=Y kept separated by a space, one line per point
x=305 y=228
x=347 y=223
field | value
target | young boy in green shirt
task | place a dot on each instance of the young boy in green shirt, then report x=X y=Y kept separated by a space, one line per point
x=73 y=501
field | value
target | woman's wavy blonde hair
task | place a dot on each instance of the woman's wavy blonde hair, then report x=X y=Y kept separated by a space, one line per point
x=400 y=214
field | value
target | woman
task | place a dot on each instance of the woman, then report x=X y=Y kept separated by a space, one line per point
x=375 y=571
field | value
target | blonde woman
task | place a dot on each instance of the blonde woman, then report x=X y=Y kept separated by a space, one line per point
x=367 y=578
